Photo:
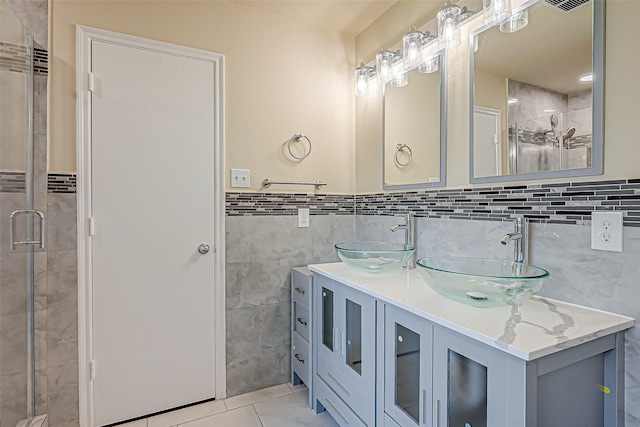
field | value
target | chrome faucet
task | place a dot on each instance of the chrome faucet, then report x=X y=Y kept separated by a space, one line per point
x=409 y=240
x=520 y=237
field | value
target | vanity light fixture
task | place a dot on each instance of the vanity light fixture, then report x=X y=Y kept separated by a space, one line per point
x=385 y=60
x=586 y=77
x=448 y=19
x=412 y=48
x=400 y=80
x=495 y=11
x=430 y=66
x=465 y=14
x=364 y=73
x=515 y=22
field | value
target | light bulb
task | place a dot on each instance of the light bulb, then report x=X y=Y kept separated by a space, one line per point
x=361 y=85
x=449 y=28
x=413 y=52
x=385 y=69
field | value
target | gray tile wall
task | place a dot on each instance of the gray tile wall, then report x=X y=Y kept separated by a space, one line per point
x=607 y=281
x=260 y=252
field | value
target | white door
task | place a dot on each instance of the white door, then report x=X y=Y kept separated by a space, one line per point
x=152 y=204
x=487 y=144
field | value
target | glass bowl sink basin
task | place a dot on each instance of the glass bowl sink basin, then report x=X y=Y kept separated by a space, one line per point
x=374 y=257
x=482 y=282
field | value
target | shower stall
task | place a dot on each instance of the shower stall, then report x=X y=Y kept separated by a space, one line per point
x=558 y=141
x=22 y=192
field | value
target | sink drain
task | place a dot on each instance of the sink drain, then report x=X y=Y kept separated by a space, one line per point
x=477 y=296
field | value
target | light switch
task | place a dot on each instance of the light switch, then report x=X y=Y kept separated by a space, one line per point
x=303 y=217
x=240 y=178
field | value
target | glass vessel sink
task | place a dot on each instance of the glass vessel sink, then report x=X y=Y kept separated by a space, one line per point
x=374 y=257
x=482 y=282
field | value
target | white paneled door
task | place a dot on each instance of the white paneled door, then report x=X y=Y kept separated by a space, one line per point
x=152 y=216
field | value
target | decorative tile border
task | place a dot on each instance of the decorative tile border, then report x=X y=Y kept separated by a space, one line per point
x=253 y=204
x=61 y=183
x=566 y=203
x=15 y=57
x=40 y=61
x=12 y=182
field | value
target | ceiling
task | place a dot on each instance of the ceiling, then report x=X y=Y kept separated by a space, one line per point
x=343 y=16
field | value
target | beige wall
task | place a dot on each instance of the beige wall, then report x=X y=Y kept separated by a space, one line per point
x=282 y=77
x=622 y=95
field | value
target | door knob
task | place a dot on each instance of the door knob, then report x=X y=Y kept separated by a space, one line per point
x=204 y=248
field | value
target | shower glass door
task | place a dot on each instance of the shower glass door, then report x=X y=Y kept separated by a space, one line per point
x=17 y=389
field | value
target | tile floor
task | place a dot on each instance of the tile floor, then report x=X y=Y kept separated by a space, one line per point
x=283 y=405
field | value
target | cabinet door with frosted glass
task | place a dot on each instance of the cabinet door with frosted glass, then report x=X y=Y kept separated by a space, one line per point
x=470 y=383
x=407 y=368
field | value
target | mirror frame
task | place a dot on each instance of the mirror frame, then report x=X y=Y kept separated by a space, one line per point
x=443 y=133
x=597 y=145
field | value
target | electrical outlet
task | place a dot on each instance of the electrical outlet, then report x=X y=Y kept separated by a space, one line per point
x=606 y=231
x=240 y=178
x=303 y=217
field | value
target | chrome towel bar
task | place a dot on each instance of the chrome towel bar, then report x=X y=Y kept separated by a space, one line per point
x=268 y=183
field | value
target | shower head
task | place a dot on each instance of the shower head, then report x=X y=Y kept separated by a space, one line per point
x=570 y=132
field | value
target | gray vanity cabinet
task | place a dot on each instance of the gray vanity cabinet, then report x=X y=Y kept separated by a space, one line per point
x=471 y=383
x=345 y=350
x=436 y=377
x=408 y=357
x=301 y=327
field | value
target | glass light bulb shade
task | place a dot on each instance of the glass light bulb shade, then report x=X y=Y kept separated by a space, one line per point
x=411 y=43
x=400 y=81
x=496 y=11
x=430 y=66
x=515 y=22
x=384 y=61
x=363 y=74
x=448 y=33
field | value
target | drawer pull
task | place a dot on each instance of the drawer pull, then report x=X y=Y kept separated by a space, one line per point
x=336 y=411
x=300 y=291
x=302 y=322
x=338 y=384
x=297 y=356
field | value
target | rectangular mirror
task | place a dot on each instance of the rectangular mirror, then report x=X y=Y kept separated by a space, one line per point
x=533 y=112
x=414 y=130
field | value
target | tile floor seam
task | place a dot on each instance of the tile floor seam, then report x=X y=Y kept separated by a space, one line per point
x=257 y=415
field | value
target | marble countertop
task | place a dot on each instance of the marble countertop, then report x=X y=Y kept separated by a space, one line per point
x=536 y=328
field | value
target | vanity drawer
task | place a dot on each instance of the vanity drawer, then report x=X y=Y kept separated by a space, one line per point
x=335 y=406
x=301 y=321
x=300 y=360
x=361 y=403
x=301 y=286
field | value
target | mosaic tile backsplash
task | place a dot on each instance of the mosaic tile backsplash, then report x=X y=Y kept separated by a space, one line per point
x=565 y=203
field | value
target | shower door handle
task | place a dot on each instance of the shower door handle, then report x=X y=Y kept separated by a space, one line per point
x=12 y=228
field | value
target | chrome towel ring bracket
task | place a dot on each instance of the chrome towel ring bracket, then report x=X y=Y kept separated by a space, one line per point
x=407 y=149
x=299 y=137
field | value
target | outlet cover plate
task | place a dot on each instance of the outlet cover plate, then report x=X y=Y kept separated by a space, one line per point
x=606 y=231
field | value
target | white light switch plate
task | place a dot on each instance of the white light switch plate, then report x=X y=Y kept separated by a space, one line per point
x=240 y=178
x=303 y=217
x=606 y=231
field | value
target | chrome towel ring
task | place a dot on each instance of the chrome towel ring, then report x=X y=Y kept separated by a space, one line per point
x=298 y=137
x=399 y=148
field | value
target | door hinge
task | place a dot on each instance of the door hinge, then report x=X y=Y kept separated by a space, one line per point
x=90 y=82
x=92 y=226
x=92 y=370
